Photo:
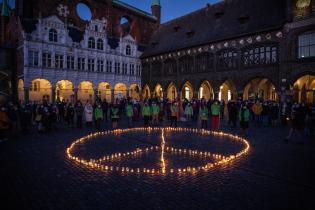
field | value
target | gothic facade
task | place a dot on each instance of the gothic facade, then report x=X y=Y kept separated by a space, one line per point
x=67 y=55
x=235 y=49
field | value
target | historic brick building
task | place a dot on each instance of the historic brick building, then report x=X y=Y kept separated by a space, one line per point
x=235 y=48
x=79 y=49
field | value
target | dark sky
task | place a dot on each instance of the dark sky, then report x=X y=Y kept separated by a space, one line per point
x=170 y=8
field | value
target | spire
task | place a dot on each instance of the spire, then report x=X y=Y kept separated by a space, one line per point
x=5 y=8
x=156 y=3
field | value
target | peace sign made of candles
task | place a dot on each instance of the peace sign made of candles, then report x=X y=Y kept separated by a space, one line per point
x=103 y=162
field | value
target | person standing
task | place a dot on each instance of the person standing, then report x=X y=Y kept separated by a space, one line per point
x=105 y=109
x=129 y=113
x=232 y=114
x=244 y=116
x=257 y=109
x=297 y=123
x=98 y=114
x=215 y=115
x=188 y=112
x=311 y=118
x=79 y=113
x=204 y=114
x=146 y=114
x=88 y=113
x=155 y=113
x=114 y=113
x=174 y=114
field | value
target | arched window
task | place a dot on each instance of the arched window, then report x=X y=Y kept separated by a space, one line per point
x=186 y=64
x=306 y=45
x=204 y=62
x=128 y=50
x=259 y=55
x=91 y=43
x=53 y=35
x=100 y=44
x=227 y=59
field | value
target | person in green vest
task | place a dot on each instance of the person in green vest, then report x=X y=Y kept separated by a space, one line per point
x=146 y=114
x=204 y=113
x=98 y=114
x=188 y=112
x=244 y=116
x=174 y=114
x=155 y=113
x=114 y=113
x=215 y=115
x=129 y=113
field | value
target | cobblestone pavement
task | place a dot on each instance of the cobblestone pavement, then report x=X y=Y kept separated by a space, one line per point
x=36 y=174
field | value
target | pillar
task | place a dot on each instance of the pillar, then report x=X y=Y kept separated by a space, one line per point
x=53 y=94
x=113 y=96
x=26 y=94
x=240 y=95
x=128 y=93
x=75 y=94
x=95 y=94
x=196 y=94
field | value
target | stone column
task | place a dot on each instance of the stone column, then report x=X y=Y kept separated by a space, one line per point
x=26 y=94
x=240 y=95
x=95 y=93
x=53 y=94
x=113 y=96
x=196 y=95
x=75 y=94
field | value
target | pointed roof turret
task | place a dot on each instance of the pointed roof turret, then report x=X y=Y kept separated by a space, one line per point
x=5 y=8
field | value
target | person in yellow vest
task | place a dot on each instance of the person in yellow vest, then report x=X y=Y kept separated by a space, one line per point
x=146 y=114
x=257 y=110
x=174 y=114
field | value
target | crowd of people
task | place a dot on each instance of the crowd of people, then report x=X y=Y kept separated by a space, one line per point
x=45 y=117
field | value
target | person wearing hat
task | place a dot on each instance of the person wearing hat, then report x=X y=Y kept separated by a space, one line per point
x=174 y=114
x=244 y=116
x=114 y=113
x=215 y=115
x=146 y=114
x=155 y=113
x=129 y=113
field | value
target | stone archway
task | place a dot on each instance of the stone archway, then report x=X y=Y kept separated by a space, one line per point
x=65 y=91
x=105 y=91
x=158 y=91
x=120 y=91
x=146 y=93
x=171 y=92
x=206 y=91
x=40 y=90
x=260 y=88
x=227 y=91
x=85 y=91
x=134 y=92
x=187 y=91
x=304 y=89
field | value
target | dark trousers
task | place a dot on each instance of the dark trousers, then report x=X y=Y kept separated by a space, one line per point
x=204 y=124
x=173 y=121
x=146 y=120
x=79 y=121
x=98 y=124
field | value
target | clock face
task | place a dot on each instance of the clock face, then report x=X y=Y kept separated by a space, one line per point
x=303 y=3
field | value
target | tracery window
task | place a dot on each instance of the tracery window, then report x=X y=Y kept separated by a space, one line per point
x=227 y=59
x=204 y=62
x=260 y=55
x=128 y=50
x=156 y=69
x=170 y=67
x=186 y=64
x=306 y=45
